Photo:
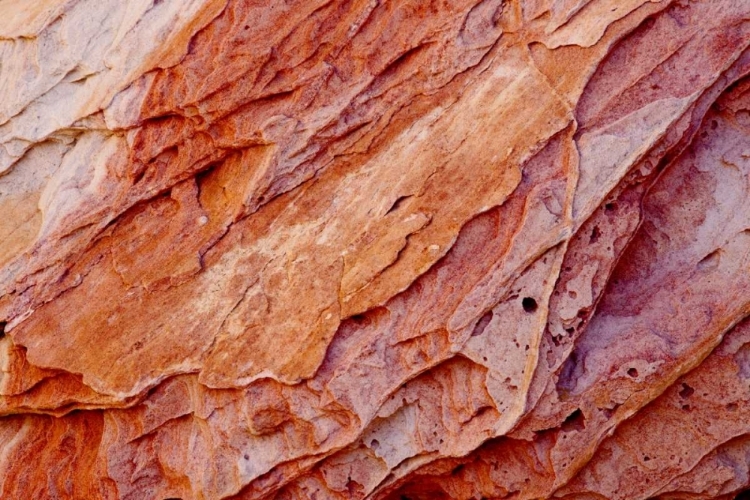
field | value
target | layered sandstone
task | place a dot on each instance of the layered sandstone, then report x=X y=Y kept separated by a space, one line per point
x=332 y=249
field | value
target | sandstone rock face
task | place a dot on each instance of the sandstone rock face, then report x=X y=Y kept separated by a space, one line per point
x=348 y=249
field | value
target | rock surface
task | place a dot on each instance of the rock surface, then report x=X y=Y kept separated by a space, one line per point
x=347 y=249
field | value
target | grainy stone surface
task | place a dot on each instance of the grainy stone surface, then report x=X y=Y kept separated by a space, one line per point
x=413 y=249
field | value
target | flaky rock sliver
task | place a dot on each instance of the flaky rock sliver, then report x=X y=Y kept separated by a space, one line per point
x=374 y=249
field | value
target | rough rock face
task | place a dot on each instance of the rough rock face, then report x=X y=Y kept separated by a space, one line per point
x=402 y=249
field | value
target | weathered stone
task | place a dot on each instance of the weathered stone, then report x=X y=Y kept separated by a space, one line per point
x=374 y=249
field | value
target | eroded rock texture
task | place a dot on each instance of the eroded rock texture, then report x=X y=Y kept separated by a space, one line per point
x=413 y=249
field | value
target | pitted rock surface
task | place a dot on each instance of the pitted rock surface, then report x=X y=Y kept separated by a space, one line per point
x=349 y=249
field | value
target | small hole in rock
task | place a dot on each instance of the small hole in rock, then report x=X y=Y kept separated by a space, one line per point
x=710 y=261
x=2 y=328
x=632 y=372
x=686 y=391
x=457 y=469
x=398 y=203
x=574 y=422
x=247 y=457
x=139 y=176
x=595 y=235
x=610 y=207
x=482 y=324
x=374 y=444
x=732 y=407
x=529 y=304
